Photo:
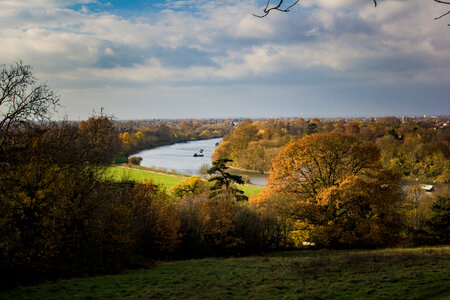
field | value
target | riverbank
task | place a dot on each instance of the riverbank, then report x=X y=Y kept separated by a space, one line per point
x=168 y=180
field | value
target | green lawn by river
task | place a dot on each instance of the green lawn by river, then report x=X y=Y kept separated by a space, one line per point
x=167 y=180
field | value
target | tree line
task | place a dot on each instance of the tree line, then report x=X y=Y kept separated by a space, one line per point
x=414 y=147
x=138 y=135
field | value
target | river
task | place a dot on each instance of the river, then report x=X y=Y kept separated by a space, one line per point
x=180 y=158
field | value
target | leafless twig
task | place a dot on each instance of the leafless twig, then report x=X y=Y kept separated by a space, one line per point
x=268 y=9
x=443 y=15
x=276 y=7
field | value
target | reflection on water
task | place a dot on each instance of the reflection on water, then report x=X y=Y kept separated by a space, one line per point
x=180 y=157
x=254 y=177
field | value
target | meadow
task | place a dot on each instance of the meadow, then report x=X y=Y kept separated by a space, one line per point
x=168 y=180
x=415 y=273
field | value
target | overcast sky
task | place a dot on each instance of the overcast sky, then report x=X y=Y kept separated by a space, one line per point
x=197 y=59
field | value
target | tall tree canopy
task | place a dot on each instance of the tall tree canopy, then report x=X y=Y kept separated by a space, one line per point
x=321 y=160
x=335 y=189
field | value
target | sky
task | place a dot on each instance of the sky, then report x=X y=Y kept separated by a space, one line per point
x=140 y=59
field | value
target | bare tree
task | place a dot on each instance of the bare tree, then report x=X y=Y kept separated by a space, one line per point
x=22 y=99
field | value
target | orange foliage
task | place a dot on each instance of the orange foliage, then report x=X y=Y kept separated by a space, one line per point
x=333 y=185
x=306 y=165
x=217 y=222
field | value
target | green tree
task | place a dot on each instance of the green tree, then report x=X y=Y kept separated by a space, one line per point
x=440 y=221
x=135 y=160
x=223 y=181
x=311 y=128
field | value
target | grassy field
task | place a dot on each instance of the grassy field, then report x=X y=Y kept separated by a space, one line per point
x=421 y=273
x=167 y=180
x=119 y=174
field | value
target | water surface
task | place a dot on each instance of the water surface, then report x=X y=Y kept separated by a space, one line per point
x=180 y=158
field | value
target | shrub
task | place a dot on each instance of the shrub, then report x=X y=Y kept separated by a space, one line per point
x=191 y=185
x=135 y=160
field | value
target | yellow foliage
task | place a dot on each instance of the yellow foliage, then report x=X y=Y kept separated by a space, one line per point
x=191 y=185
x=125 y=137
x=139 y=135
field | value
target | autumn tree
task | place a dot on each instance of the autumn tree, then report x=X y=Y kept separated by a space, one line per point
x=241 y=136
x=321 y=160
x=334 y=184
x=58 y=215
x=154 y=223
x=191 y=185
x=99 y=135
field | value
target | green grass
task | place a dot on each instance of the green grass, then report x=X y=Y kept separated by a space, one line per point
x=142 y=174
x=161 y=170
x=120 y=174
x=250 y=190
x=422 y=273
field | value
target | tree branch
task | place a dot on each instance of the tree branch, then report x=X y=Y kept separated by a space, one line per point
x=445 y=14
x=277 y=7
x=267 y=10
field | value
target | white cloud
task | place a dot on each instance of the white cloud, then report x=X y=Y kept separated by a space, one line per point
x=331 y=4
x=222 y=44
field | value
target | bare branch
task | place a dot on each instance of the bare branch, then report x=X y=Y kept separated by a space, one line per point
x=443 y=2
x=437 y=18
x=23 y=100
x=267 y=10
x=277 y=7
x=445 y=14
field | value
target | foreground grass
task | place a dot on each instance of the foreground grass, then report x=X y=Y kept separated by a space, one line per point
x=422 y=273
x=167 y=180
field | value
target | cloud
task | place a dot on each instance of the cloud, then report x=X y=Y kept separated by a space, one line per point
x=331 y=4
x=203 y=43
